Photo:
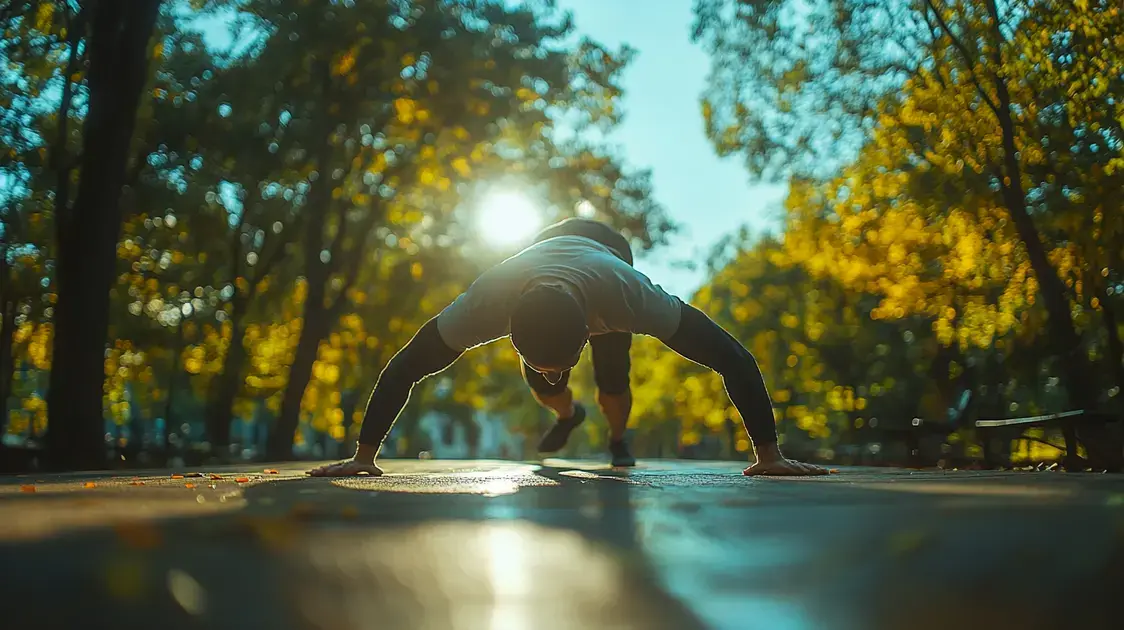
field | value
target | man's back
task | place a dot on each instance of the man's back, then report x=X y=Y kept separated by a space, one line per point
x=615 y=296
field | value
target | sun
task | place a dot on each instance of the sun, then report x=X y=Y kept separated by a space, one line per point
x=507 y=217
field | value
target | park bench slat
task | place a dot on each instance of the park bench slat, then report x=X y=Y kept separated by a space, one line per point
x=1030 y=420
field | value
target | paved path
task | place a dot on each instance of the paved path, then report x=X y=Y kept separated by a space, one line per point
x=563 y=544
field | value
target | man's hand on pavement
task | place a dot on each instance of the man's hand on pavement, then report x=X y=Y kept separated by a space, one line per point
x=770 y=461
x=348 y=468
x=784 y=467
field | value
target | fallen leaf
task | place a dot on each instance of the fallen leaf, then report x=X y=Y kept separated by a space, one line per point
x=214 y=476
x=242 y=479
x=834 y=471
x=89 y=484
x=271 y=471
x=177 y=476
x=27 y=488
x=189 y=485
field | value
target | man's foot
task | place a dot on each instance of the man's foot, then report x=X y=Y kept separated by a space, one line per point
x=554 y=439
x=621 y=456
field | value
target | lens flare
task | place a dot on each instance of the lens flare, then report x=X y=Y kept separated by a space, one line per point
x=506 y=218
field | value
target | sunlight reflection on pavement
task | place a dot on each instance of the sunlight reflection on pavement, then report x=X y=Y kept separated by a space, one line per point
x=563 y=544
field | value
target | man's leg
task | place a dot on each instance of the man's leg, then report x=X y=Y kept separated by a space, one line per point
x=611 y=366
x=559 y=399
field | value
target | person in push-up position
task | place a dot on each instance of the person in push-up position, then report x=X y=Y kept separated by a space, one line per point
x=575 y=284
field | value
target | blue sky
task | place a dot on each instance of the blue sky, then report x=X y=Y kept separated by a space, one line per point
x=663 y=130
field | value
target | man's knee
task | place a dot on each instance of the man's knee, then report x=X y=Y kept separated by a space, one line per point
x=547 y=390
x=612 y=382
x=543 y=388
x=613 y=398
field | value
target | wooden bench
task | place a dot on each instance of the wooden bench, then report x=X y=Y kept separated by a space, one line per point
x=1104 y=451
x=916 y=429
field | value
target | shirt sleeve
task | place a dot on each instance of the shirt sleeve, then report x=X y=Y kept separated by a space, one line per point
x=655 y=312
x=472 y=320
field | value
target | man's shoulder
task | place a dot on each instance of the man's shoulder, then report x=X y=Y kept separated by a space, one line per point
x=563 y=243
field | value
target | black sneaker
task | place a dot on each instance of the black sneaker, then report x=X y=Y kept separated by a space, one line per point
x=621 y=456
x=554 y=439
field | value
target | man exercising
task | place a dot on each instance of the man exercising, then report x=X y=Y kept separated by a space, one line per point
x=575 y=284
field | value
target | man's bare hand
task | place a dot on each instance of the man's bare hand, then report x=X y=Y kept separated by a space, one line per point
x=348 y=468
x=784 y=467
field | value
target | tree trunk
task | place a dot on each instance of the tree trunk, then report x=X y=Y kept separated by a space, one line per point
x=317 y=324
x=118 y=46
x=226 y=387
x=7 y=330
x=1115 y=346
x=174 y=370
x=7 y=368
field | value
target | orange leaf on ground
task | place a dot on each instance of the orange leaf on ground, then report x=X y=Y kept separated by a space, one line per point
x=189 y=485
x=177 y=476
x=89 y=484
x=214 y=476
x=242 y=479
x=27 y=488
x=271 y=471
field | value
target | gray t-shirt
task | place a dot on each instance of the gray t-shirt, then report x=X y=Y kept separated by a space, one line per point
x=615 y=296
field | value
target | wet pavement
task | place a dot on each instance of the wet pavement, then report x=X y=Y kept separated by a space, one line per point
x=562 y=544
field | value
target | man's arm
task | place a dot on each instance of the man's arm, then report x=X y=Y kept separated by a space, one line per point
x=701 y=340
x=425 y=354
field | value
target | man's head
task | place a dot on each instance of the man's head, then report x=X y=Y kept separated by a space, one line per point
x=548 y=330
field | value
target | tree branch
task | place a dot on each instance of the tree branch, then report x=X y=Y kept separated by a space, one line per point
x=236 y=247
x=266 y=263
x=335 y=248
x=964 y=52
x=62 y=166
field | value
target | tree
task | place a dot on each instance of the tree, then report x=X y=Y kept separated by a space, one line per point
x=954 y=88
x=88 y=231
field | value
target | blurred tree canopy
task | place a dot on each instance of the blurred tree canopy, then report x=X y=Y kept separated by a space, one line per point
x=952 y=158
x=227 y=217
x=291 y=206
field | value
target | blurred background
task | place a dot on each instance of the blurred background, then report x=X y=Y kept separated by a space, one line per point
x=221 y=218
